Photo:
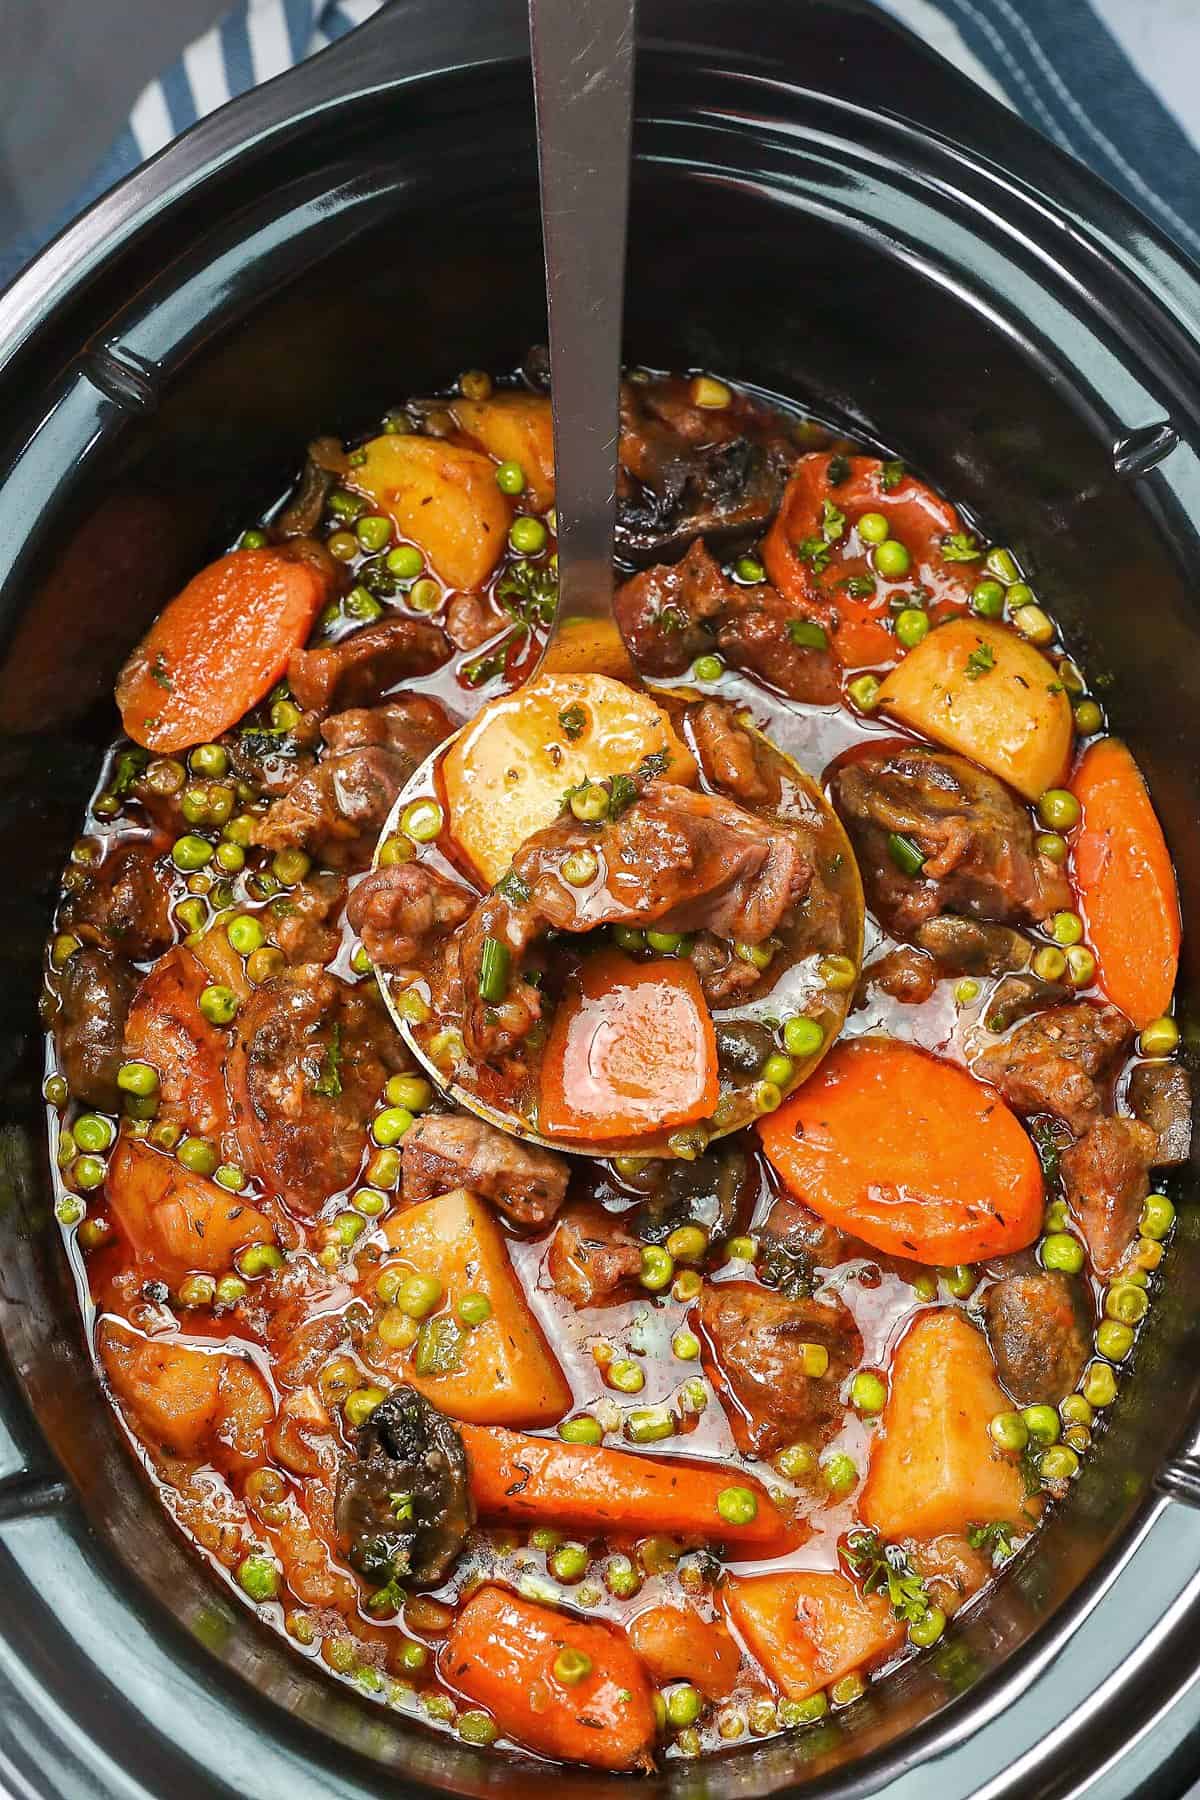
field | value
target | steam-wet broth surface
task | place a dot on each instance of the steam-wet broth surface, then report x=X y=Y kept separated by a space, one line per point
x=344 y=1338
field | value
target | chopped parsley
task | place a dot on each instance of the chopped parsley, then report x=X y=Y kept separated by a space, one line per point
x=806 y=634
x=672 y=619
x=961 y=546
x=891 y=474
x=130 y=764
x=492 y=662
x=885 y=1569
x=815 y=552
x=160 y=673
x=329 y=1081
x=573 y=719
x=833 y=522
x=980 y=662
x=859 y=587
x=839 y=470
x=996 y=1539
x=528 y=592
x=511 y=888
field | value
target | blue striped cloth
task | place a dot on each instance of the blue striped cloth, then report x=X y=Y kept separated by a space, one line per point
x=1111 y=81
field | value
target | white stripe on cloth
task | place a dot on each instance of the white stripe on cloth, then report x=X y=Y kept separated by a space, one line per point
x=270 y=45
x=150 y=121
x=941 y=34
x=1161 y=41
x=204 y=66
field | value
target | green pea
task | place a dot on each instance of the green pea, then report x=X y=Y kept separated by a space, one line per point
x=219 y=1004
x=626 y=938
x=510 y=478
x=230 y=1290
x=621 y=1577
x=1114 y=1340
x=912 y=625
x=658 y=1267
x=252 y=539
x=344 y=547
x=258 y=1576
x=88 y=1172
x=417 y=1295
x=1158 y=1216
x=413 y=1658
x=474 y=1309
x=961 y=1281
x=1062 y=1251
x=56 y=1092
x=778 y=1069
x=527 y=536
x=928 y=1628
x=1009 y=1431
x=1081 y=966
x=1059 y=809
x=987 y=598
x=344 y=505
x=667 y=943
x=1066 y=928
x=1126 y=1303
x=190 y=852
x=1042 y=1423
x=569 y=1563
x=405 y=562
x=425 y=596
x=410 y=1092
x=197 y=1290
x=263 y=965
x=94 y=1132
x=389 y=1126
x=1049 y=963
x=581 y=1430
x=708 y=668
x=349 y=1227
x=290 y=866
x=359 y=1405
x=476 y=1728
x=626 y=1375
x=1088 y=718
x=687 y=1243
x=373 y=531
x=197 y=1155
x=209 y=760
x=749 y=569
x=737 y=1505
x=649 y=1425
x=868 y=1393
x=966 y=991
x=285 y=714
x=683 y=1705
x=839 y=1472
x=360 y=962
x=70 y=1210
x=245 y=934
x=804 y=1712
x=686 y=1346
x=1159 y=1038
x=759 y=956
x=383 y=1170
x=422 y=820
x=579 y=868
x=1053 y=845
x=891 y=560
x=1059 y=1464
x=231 y=858
x=590 y=803
x=873 y=528
x=1100 y=1385
x=864 y=691
x=572 y=1666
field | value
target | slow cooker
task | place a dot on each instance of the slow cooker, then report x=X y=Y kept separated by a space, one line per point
x=822 y=208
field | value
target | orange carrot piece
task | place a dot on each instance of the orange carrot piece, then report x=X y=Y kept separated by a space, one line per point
x=811 y=1628
x=1125 y=883
x=934 y=1468
x=218 y=648
x=910 y=1153
x=562 y=1686
x=632 y=1050
x=177 y=1222
x=676 y=1644
x=587 y=1487
x=167 y=1029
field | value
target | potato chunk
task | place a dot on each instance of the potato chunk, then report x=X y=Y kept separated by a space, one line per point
x=444 y=498
x=981 y=689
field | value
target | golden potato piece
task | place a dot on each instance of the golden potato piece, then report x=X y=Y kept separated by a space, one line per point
x=506 y=775
x=444 y=498
x=514 y=428
x=980 y=689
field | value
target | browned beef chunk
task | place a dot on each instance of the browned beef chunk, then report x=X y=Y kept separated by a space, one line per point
x=905 y=974
x=305 y=923
x=1106 y=1180
x=310 y=1059
x=92 y=995
x=123 y=903
x=678 y=859
x=362 y=669
x=324 y=464
x=662 y=611
x=1058 y=1061
x=272 y=764
x=725 y=977
x=756 y=633
x=1019 y=995
x=1160 y=1095
x=793 y=1244
x=975 y=836
x=593 y=1256
x=714 y=1191
x=1039 y=1334
x=758 y=1339
x=397 y=910
x=442 y=1151
x=965 y=947
x=471 y=620
x=729 y=755
x=688 y=470
x=337 y=810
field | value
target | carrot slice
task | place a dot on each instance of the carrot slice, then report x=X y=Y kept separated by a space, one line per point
x=920 y=519
x=676 y=1644
x=176 y=1221
x=1125 y=883
x=559 y=1685
x=166 y=1028
x=811 y=1628
x=218 y=648
x=632 y=1050
x=910 y=1153
x=934 y=1468
x=587 y=1487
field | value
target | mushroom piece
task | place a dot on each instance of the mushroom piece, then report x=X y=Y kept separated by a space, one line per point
x=403 y=1506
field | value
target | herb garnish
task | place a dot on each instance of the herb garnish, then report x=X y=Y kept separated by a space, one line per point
x=573 y=719
x=885 y=1568
x=329 y=1081
x=980 y=662
x=961 y=546
x=891 y=474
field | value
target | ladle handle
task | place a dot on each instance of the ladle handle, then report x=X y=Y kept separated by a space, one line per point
x=583 y=89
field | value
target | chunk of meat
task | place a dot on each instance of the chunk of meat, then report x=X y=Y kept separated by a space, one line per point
x=91 y=995
x=757 y=634
x=1017 y=996
x=269 y=763
x=952 y=1571
x=593 y=1256
x=688 y=470
x=324 y=463
x=442 y=1151
x=310 y=1059
x=471 y=620
x=1039 y=1335
x=975 y=838
x=800 y=1237
x=184 y=1402
x=1106 y=1179
x=305 y=921
x=396 y=910
x=1160 y=1095
x=904 y=974
x=167 y=1030
x=724 y=976
x=759 y=1340
x=729 y=755
x=675 y=858
x=1058 y=1061
x=123 y=902
x=338 y=808
x=714 y=1191
x=663 y=611
x=967 y=947
x=363 y=668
